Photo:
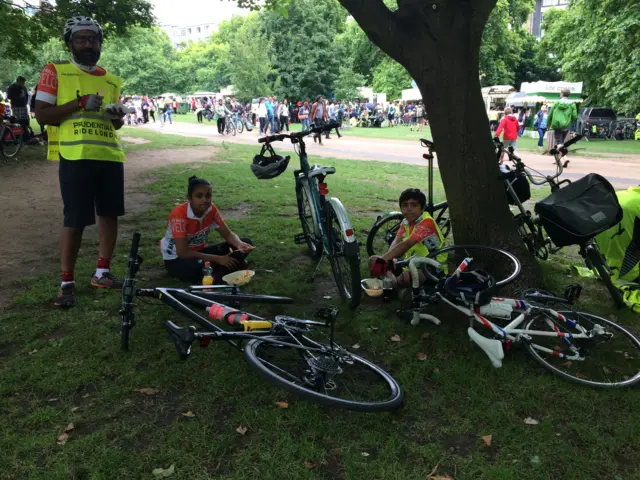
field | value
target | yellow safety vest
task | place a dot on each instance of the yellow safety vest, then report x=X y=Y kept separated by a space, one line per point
x=87 y=135
x=422 y=249
x=53 y=152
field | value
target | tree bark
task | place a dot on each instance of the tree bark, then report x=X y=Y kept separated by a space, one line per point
x=438 y=42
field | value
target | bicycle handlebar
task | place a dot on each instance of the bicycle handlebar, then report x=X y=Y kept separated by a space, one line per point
x=298 y=135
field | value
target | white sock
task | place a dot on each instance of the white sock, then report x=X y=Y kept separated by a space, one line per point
x=100 y=272
x=64 y=284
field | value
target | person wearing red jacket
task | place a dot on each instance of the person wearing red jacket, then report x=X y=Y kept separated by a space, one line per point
x=508 y=127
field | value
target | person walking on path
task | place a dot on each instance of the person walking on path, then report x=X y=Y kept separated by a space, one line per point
x=283 y=113
x=561 y=116
x=541 y=124
x=332 y=113
x=270 y=115
x=168 y=110
x=222 y=112
x=262 y=116
x=91 y=157
x=510 y=126
x=303 y=116
x=319 y=116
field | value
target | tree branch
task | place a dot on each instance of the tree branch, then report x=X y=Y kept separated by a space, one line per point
x=44 y=8
x=379 y=23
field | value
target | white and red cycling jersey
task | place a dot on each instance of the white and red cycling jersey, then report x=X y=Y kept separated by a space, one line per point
x=184 y=224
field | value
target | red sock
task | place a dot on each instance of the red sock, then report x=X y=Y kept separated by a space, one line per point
x=67 y=277
x=104 y=262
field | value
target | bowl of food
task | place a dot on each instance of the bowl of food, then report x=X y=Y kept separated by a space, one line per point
x=241 y=277
x=372 y=286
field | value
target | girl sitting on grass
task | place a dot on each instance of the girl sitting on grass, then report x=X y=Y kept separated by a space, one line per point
x=184 y=246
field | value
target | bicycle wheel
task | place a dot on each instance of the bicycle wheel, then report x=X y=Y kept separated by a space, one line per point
x=503 y=266
x=231 y=128
x=609 y=359
x=10 y=144
x=306 y=213
x=336 y=378
x=239 y=126
x=595 y=261
x=344 y=258
x=382 y=233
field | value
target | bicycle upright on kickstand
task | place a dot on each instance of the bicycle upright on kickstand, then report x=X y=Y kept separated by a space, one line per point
x=326 y=228
x=386 y=227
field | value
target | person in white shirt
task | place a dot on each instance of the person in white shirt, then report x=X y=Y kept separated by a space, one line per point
x=262 y=116
x=283 y=114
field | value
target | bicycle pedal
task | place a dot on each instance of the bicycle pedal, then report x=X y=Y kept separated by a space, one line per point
x=572 y=292
x=328 y=314
x=300 y=239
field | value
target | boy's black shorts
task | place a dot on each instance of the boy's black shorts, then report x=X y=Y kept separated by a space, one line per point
x=90 y=188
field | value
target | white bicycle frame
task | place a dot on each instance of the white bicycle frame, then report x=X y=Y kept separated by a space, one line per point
x=511 y=331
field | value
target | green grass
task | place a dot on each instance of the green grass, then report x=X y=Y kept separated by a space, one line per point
x=66 y=367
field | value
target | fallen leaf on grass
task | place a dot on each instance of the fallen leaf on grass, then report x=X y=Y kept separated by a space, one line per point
x=531 y=421
x=436 y=370
x=487 y=439
x=86 y=395
x=566 y=364
x=425 y=335
x=73 y=409
x=282 y=404
x=395 y=338
x=606 y=371
x=64 y=436
x=422 y=356
x=355 y=346
x=35 y=350
x=269 y=271
x=189 y=414
x=54 y=399
x=147 y=391
x=164 y=472
x=374 y=329
x=433 y=476
x=241 y=430
x=535 y=460
x=309 y=464
x=327 y=297
x=365 y=454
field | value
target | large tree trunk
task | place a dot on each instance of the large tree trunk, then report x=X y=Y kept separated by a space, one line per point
x=438 y=42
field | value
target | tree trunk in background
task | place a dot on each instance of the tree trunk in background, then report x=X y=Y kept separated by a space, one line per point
x=438 y=42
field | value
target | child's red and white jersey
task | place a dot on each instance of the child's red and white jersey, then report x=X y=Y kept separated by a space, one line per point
x=184 y=224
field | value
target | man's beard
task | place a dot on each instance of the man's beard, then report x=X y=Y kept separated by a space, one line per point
x=88 y=57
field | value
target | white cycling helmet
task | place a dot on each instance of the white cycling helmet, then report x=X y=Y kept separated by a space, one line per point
x=75 y=24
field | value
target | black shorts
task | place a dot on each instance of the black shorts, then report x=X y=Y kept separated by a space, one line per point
x=90 y=188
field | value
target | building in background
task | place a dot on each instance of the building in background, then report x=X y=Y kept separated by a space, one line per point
x=542 y=6
x=181 y=36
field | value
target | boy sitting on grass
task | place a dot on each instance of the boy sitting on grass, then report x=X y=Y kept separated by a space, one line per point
x=417 y=236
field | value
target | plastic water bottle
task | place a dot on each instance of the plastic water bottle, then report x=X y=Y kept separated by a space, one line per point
x=207 y=274
x=387 y=289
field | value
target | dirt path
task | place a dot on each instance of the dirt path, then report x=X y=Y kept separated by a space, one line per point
x=622 y=170
x=31 y=213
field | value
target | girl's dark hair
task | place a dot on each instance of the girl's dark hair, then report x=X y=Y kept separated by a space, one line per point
x=413 y=194
x=195 y=182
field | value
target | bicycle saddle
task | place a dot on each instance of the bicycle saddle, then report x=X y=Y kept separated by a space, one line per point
x=316 y=170
x=475 y=286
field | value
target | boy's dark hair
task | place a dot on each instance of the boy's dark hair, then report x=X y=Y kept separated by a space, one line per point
x=21 y=79
x=195 y=182
x=413 y=194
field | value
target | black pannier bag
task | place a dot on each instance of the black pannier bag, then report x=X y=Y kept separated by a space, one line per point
x=578 y=212
x=520 y=185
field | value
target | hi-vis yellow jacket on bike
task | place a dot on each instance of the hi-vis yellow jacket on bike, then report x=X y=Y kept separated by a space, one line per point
x=87 y=135
x=621 y=247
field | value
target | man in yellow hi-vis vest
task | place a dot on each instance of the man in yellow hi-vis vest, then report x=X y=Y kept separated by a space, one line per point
x=73 y=96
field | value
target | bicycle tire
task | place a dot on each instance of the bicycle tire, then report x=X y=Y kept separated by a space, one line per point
x=578 y=376
x=484 y=255
x=256 y=347
x=595 y=258
x=239 y=126
x=7 y=152
x=309 y=230
x=244 y=297
x=231 y=128
x=346 y=274
x=389 y=225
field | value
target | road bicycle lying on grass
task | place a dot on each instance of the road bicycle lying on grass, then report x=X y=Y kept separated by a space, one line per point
x=576 y=346
x=281 y=350
x=572 y=215
x=326 y=228
x=385 y=228
x=10 y=138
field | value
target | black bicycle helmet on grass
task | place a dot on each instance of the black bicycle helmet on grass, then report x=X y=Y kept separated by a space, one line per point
x=265 y=167
x=475 y=286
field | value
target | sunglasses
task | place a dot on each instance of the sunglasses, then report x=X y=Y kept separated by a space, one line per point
x=82 y=39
